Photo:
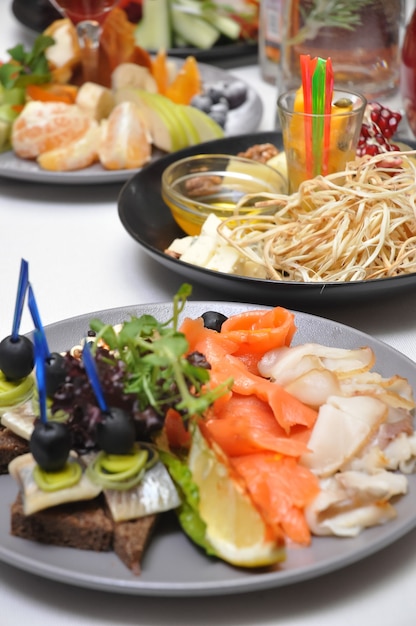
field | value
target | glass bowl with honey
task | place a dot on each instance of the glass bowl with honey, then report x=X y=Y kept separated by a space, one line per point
x=196 y=186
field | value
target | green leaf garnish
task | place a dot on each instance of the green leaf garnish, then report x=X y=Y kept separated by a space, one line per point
x=27 y=67
x=158 y=370
x=188 y=511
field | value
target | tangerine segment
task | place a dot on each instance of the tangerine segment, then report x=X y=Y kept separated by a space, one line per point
x=160 y=71
x=125 y=142
x=186 y=84
x=52 y=92
x=44 y=126
x=77 y=155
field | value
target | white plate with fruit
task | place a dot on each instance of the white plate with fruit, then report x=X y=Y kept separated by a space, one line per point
x=245 y=116
x=55 y=128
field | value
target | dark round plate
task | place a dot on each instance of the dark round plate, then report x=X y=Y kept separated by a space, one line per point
x=38 y=14
x=148 y=220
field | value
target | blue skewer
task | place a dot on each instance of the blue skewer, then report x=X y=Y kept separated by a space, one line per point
x=40 y=374
x=20 y=297
x=91 y=369
x=33 y=307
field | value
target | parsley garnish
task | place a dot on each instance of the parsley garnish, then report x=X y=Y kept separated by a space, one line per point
x=159 y=372
x=27 y=67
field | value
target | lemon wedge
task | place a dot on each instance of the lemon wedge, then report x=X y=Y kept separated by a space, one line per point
x=279 y=163
x=234 y=527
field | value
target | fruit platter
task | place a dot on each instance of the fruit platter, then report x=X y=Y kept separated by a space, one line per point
x=163 y=105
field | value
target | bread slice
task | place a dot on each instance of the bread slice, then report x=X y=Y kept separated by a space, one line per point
x=81 y=525
x=85 y=526
x=130 y=540
x=11 y=446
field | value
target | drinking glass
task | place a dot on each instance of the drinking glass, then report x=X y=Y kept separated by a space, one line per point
x=319 y=143
x=362 y=38
x=88 y=16
x=408 y=73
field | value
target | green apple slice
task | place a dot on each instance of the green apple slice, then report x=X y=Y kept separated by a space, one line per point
x=206 y=127
x=187 y=123
x=167 y=134
x=167 y=109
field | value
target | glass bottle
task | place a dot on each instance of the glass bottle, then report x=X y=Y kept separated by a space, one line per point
x=408 y=73
x=270 y=36
x=362 y=37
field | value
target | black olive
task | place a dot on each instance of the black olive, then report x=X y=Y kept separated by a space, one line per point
x=50 y=444
x=16 y=357
x=213 y=320
x=55 y=372
x=116 y=433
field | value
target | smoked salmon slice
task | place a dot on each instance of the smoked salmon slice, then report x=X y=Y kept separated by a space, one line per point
x=245 y=425
x=281 y=489
x=259 y=331
x=258 y=425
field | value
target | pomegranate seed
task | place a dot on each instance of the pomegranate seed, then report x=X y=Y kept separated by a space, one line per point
x=379 y=126
x=372 y=150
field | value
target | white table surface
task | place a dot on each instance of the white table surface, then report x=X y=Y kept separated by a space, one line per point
x=48 y=226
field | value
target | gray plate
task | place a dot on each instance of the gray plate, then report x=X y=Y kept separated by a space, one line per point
x=172 y=565
x=245 y=118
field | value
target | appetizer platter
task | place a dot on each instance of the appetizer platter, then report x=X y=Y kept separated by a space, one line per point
x=200 y=575
x=141 y=192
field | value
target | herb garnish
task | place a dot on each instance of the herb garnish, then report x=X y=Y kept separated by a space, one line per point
x=328 y=14
x=27 y=67
x=159 y=371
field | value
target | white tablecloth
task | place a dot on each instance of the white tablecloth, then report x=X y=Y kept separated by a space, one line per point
x=81 y=260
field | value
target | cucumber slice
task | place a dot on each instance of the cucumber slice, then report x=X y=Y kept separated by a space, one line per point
x=194 y=30
x=153 y=32
x=227 y=27
x=207 y=12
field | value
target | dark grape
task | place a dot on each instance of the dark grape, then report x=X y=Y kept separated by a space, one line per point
x=220 y=107
x=50 y=444
x=202 y=102
x=16 y=357
x=219 y=116
x=219 y=98
x=216 y=91
x=213 y=320
x=236 y=94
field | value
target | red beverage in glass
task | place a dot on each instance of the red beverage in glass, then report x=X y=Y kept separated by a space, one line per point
x=408 y=73
x=81 y=10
